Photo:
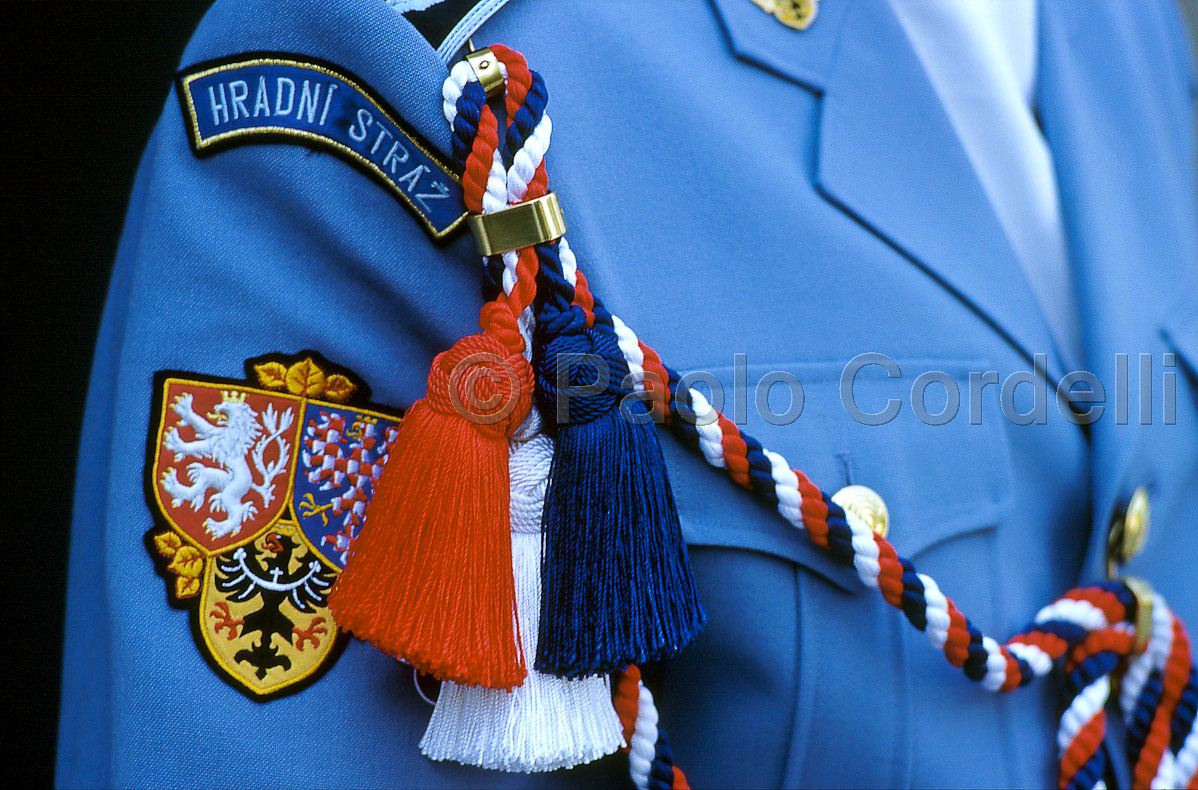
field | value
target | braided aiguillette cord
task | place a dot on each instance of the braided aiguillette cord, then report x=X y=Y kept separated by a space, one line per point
x=1091 y=630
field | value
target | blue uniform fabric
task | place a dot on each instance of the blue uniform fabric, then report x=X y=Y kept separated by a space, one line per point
x=732 y=187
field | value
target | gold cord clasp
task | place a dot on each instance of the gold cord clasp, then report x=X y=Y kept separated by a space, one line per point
x=522 y=225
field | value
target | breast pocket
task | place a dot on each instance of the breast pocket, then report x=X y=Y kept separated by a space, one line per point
x=800 y=663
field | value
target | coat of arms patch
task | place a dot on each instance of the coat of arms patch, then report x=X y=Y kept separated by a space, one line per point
x=259 y=487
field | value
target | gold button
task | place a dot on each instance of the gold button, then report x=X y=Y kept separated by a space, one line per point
x=1129 y=534
x=797 y=14
x=865 y=504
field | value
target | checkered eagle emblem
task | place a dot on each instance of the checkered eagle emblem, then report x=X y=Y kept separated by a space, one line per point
x=343 y=454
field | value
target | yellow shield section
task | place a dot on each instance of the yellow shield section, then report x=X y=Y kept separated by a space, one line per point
x=263 y=612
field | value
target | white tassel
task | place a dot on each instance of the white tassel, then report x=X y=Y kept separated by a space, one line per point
x=549 y=722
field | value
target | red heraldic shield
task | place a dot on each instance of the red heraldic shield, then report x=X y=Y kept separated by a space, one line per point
x=224 y=461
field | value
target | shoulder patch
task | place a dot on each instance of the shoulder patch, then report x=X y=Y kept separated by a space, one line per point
x=258 y=488
x=274 y=97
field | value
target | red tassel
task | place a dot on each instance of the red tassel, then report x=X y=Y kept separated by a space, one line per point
x=429 y=579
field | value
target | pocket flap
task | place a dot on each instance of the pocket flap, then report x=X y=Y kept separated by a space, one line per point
x=939 y=481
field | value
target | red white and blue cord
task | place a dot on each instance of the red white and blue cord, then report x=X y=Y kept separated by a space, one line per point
x=1091 y=630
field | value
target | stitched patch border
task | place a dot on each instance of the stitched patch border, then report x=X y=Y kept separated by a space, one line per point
x=428 y=186
x=258 y=486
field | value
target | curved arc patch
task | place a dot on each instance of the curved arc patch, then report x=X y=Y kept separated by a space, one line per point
x=240 y=100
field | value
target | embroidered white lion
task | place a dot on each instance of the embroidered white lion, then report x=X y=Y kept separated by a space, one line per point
x=236 y=437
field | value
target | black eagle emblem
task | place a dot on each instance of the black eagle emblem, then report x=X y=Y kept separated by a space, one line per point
x=243 y=577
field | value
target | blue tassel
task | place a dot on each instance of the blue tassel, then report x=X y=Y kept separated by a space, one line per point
x=617 y=582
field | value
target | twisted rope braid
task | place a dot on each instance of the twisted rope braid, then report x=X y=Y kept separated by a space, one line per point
x=650 y=759
x=1090 y=631
x=476 y=149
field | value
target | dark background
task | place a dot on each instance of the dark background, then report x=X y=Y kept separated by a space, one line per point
x=84 y=84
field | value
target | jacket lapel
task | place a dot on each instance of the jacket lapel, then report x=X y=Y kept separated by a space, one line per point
x=889 y=157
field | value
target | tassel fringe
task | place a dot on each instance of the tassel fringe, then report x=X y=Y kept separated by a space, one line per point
x=548 y=723
x=618 y=582
x=429 y=578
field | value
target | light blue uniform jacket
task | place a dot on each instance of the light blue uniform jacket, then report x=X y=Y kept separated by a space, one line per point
x=731 y=187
